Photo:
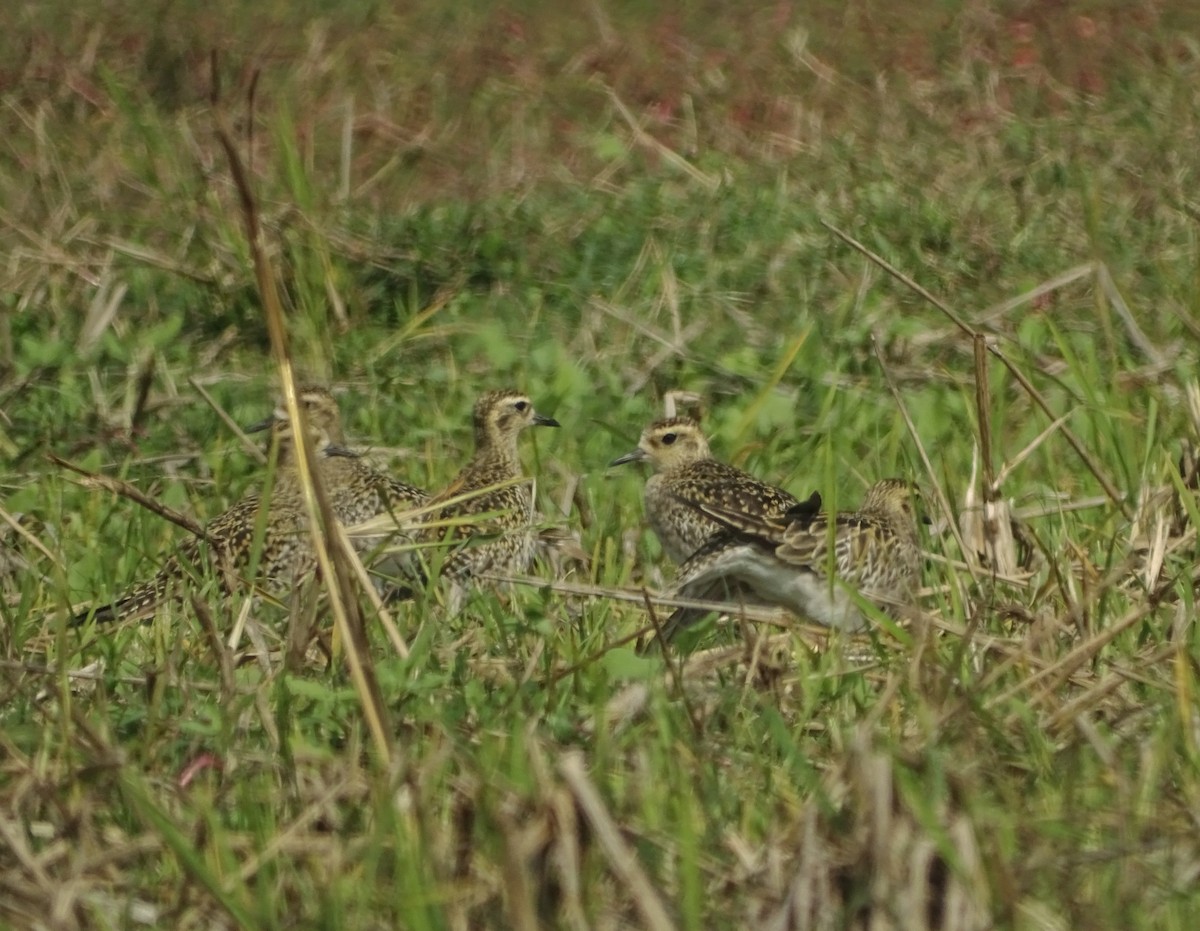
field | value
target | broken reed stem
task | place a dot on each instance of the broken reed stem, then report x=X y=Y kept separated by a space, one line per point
x=1075 y=443
x=983 y=410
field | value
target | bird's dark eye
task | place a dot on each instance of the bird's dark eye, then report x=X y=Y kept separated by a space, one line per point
x=522 y=406
x=669 y=438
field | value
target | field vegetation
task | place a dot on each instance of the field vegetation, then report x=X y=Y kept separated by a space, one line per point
x=957 y=242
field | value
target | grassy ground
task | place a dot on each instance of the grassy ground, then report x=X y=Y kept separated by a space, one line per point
x=601 y=206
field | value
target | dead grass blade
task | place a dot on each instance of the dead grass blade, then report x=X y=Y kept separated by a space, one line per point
x=1038 y=398
x=674 y=665
x=1051 y=678
x=943 y=501
x=668 y=155
x=1137 y=335
x=190 y=860
x=332 y=561
x=126 y=490
x=254 y=449
x=29 y=537
x=878 y=863
x=221 y=655
x=1025 y=453
x=364 y=581
x=996 y=311
x=621 y=856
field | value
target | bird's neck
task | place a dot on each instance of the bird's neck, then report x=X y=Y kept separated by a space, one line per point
x=497 y=451
x=286 y=457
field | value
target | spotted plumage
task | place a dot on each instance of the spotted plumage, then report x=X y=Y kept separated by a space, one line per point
x=785 y=560
x=356 y=492
x=686 y=476
x=503 y=541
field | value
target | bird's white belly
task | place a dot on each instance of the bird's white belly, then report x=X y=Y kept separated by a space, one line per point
x=797 y=589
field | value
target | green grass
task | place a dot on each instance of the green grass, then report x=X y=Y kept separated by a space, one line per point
x=600 y=209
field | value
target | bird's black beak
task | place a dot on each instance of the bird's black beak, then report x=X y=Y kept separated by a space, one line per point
x=279 y=415
x=541 y=421
x=262 y=425
x=636 y=455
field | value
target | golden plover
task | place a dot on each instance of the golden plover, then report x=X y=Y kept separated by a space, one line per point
x=687 y=476
x=785 y=560
x=356 y=492
x=499 y=417
x=321 y=415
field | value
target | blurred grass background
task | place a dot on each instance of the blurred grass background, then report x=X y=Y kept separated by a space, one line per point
x=600 y=203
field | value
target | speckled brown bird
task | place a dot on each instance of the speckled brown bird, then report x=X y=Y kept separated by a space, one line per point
x=502 y=539
x=785 y=560
x=357 y=491
x=285 y=557
x=686 y=476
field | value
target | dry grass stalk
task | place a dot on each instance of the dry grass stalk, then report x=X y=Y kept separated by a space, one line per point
x=621 y=857
x=332 y=561
x=1089 y=460
x=877 y=865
